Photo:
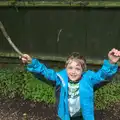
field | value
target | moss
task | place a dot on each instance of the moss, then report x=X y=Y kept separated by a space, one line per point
x=65 y=3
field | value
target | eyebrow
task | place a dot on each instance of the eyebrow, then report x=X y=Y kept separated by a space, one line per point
x=78 y=64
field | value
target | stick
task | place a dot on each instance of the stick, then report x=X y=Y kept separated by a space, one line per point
x=9 y=39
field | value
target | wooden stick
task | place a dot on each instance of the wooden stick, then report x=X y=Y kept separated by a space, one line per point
x=9 y=39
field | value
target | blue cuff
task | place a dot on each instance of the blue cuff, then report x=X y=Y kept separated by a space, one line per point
x=113 y=67
x=33 y=62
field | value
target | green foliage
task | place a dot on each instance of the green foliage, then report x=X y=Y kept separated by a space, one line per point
x=10 y=82
x=18 y=82
x=108 y=94
x=37 y=90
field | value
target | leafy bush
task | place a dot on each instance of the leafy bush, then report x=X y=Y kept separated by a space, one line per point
x=37 y=89
x=11 y=83
x=17 y=82
x=108 y=94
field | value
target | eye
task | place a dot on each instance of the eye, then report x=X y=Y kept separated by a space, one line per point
x=79 y=69
x=70 y=67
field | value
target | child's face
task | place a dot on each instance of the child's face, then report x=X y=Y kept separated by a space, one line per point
x=74 y=70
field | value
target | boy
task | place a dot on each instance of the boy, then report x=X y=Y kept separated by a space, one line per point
x=74 y=86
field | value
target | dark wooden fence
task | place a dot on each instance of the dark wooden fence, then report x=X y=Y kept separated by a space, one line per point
x=58 y=31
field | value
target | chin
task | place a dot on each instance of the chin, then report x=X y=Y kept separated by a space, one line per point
x=74 y=79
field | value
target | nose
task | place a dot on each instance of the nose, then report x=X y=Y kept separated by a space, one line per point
x=73 y=71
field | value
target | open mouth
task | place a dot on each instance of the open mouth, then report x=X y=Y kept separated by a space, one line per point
x=73 y=76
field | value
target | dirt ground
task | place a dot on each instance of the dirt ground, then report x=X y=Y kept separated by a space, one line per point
x=19 y=109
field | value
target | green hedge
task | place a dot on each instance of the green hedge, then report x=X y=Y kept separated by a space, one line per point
x=17 y=82
x=108 y=94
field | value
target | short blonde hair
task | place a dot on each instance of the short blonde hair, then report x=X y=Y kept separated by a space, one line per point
x=77 y=57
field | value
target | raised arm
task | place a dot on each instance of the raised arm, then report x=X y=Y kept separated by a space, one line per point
x=108 y=69
x=34 y=66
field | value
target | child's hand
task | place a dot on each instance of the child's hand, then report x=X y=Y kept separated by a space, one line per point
x=26 y=58
x=114 y=55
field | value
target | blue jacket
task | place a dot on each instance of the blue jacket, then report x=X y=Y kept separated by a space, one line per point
x=87 y=82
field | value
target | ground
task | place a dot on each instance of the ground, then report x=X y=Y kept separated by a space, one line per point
x=19 y=109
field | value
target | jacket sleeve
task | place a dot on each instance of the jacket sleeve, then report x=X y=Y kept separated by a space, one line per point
x=107 y=70
x=36 y=67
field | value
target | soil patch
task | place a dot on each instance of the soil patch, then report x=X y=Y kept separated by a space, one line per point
x=18 y=109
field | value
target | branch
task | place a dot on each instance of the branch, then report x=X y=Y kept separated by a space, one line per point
x=9 y=39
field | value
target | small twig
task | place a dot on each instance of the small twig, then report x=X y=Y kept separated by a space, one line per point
x=59 y=35
x=9 y=39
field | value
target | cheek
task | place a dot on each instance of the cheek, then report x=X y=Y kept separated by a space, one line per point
x=79 y=73
x=68 y=71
